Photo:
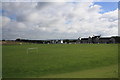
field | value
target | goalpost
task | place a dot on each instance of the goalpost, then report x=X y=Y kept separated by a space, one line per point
x=32 y=50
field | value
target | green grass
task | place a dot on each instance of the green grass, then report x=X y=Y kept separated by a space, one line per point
x=0 y=61
x=60 y=60
x=100 y=72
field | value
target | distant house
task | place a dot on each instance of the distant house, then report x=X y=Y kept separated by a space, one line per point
x=105 y=40
x=116 y=39
x=60 y=42
x=99 y=39
x=84 y=40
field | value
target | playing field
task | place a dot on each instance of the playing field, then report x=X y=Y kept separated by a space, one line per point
x=60 y=61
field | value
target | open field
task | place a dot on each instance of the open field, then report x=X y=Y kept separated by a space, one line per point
x=60 y=61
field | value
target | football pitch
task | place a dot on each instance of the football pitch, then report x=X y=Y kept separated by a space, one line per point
x=60 y=61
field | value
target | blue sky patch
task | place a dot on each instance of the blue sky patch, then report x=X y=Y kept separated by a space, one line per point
x=107 y=6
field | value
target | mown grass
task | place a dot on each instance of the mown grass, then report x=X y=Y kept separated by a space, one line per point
x=0 y=61
x=53 y=59
x=100 y=72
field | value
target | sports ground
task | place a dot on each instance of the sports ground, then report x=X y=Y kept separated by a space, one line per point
x=60 y=61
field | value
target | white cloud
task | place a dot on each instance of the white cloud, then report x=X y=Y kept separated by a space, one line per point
x=66 y=20
x=4 y=20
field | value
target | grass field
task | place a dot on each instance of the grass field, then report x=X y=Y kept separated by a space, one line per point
x=60 y=61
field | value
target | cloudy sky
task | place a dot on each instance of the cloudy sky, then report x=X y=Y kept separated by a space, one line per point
x=58 y=20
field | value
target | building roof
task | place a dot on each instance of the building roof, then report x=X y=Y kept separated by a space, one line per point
x=84 y=38
x=105 y=38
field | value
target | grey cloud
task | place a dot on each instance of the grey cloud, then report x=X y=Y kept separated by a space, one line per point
x=41 y=5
